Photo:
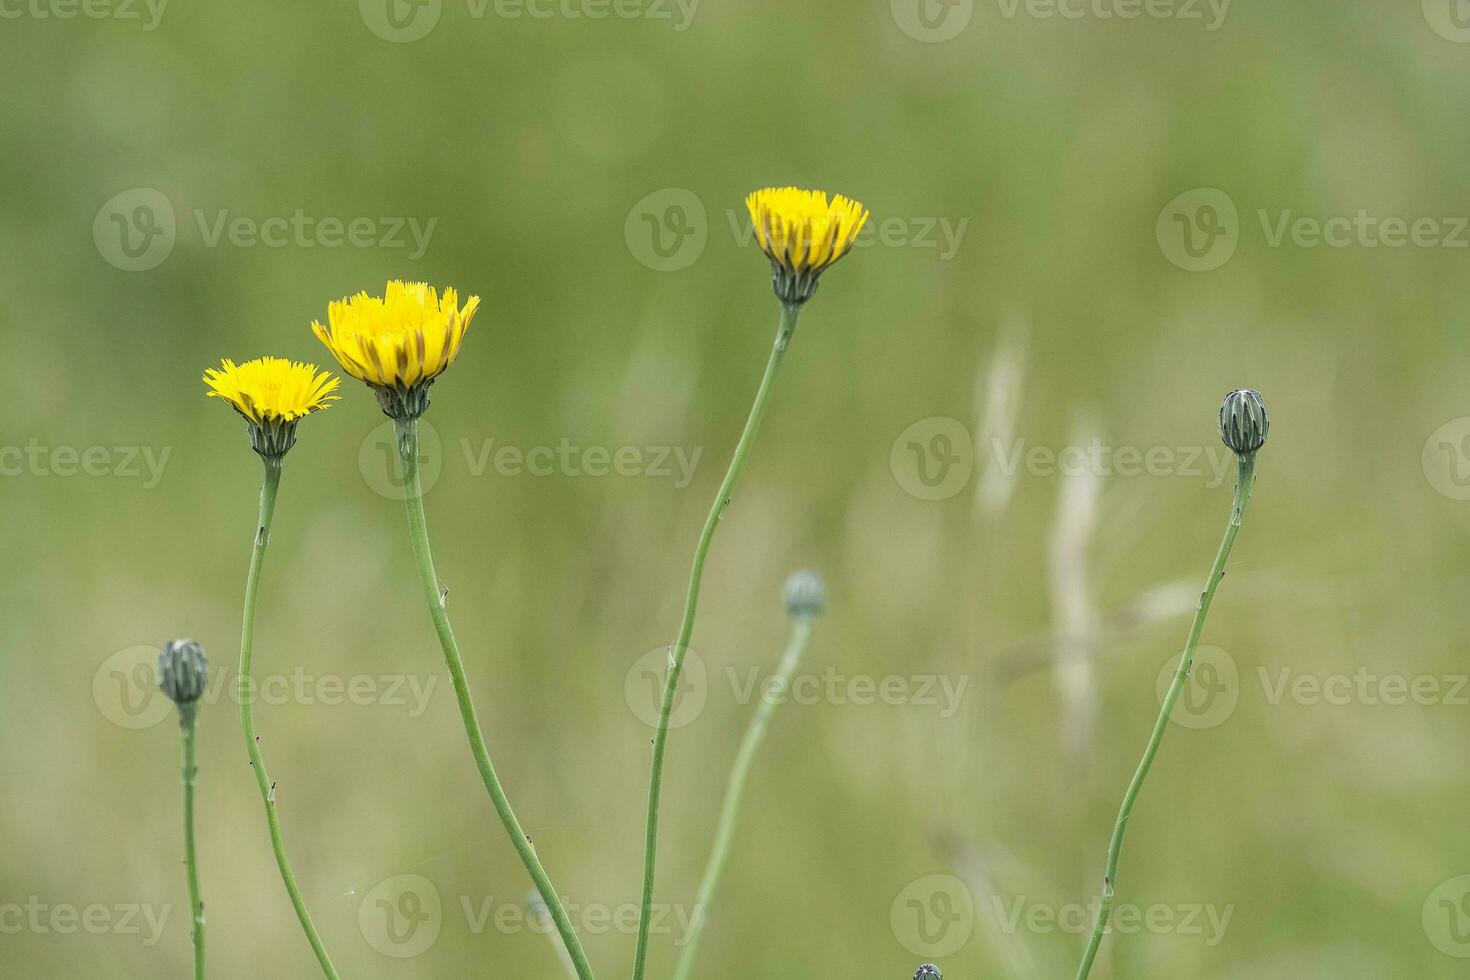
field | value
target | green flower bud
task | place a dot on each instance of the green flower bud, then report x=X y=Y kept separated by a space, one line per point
x=804 y=594
x=1243 y=421
x=183 y=672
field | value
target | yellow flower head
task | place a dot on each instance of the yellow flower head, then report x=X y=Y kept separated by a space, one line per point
x=273 y=394
x=398 y=343
x=803 y=233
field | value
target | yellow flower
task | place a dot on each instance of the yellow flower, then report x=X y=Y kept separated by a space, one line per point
x=272 y=387
x=273 y=394
x=399 y=343
x=803 y=233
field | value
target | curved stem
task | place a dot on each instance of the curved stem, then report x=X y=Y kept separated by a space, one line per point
x=789 y=314
x=801 y=632
x=408 y=454
x=268 y=490
x=188 y=728
x=1243 y=487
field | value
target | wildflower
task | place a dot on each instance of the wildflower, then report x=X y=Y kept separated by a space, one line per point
x=272 y=394
x=1243 y=421
x=399 y=343
x=805 y=597
x=1243 y=426
x=804 y=594
x=803 y=234
x=183 y=672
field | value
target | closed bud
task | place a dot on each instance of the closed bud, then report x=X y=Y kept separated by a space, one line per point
x=804 y=594
x=928 y=972
x=183 y=673
x=1243 y=421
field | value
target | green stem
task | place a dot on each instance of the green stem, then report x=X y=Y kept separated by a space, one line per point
x=418 y=529
x=1243 y=487
x=801 y=632
x=188 y=728
x=789 y=314
x=268 y=490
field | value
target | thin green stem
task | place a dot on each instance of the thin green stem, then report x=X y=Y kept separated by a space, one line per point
x=801 y=631
x=408 y=454
x=789 y=314
x=268 y=490
x=1243 y=487
x=188 y=728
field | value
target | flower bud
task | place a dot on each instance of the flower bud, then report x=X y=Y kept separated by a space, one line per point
x=804 y=594
x=928 y=972
x=1243 y=421
x=183 y=673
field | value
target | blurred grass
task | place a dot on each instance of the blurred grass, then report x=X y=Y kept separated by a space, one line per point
x=529 y=141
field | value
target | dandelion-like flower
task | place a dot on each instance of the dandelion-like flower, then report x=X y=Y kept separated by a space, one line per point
x=1244 y=423
x=804 y=594
x=398 y=343
x=803 y=233
x=183 y=672
x=272 y=394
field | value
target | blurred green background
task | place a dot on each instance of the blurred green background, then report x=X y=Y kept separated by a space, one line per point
x=585 y=176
